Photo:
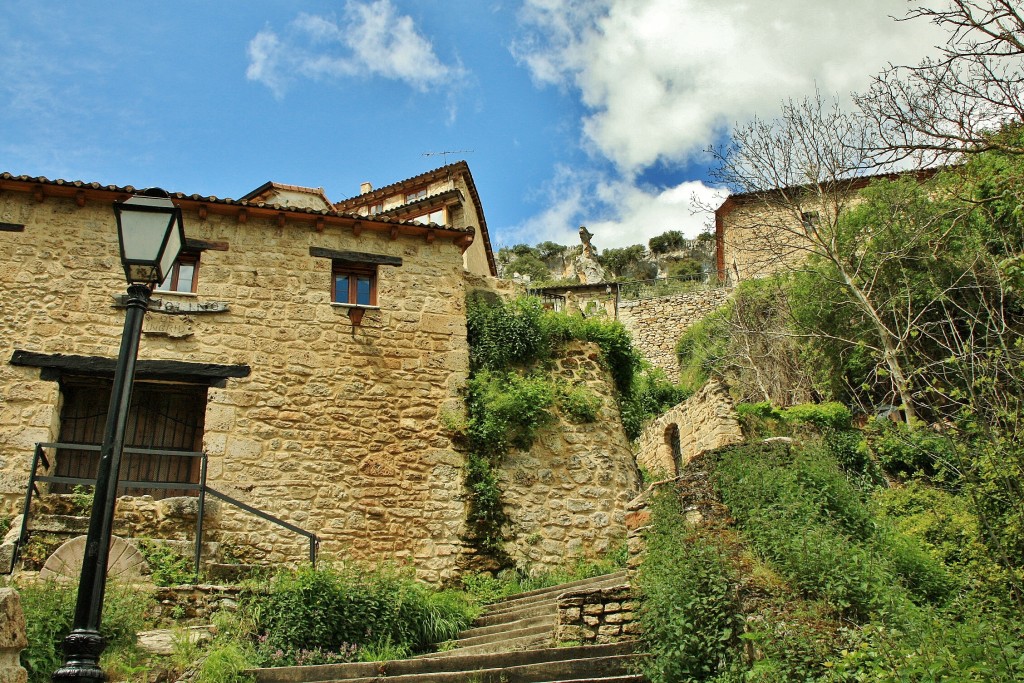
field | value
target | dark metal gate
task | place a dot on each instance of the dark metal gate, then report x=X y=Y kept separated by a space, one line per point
x=163 y=418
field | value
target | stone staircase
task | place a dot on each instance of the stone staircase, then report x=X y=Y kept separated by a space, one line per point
x=511 y=642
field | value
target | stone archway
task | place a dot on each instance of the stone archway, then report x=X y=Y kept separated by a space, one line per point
x=124 y=562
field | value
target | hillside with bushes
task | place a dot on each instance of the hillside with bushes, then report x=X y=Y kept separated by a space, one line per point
x=667 y=255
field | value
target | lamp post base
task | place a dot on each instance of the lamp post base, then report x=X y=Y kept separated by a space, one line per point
x=82 y=650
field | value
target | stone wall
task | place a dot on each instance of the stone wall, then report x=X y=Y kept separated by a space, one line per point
x=701 y=423
x=12 y=637
x=567 y=496
x=193 y=604
x=656 y=324
x=605 y=615
x=335 y=429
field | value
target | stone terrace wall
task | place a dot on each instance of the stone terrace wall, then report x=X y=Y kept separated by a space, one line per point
x=656 y=324
x=336 y=427
x=703 y=422
x=605 y=615
x=567 y=496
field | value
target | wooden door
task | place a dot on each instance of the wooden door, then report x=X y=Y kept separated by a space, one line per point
x=162 y=416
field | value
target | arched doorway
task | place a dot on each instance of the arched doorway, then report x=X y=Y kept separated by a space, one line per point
x=675 y=447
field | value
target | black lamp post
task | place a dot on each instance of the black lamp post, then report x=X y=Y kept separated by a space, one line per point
x=151 y=234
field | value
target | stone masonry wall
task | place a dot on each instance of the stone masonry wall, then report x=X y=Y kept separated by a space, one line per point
x=12 y=637
x=656 y=324
x=605 y=615
x=336 y=427
x=567 y=496
x=701 y=423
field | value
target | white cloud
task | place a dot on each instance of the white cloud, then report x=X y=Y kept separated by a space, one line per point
x=371 y=39
x=616 y=211
x=661 y=78
x=642 y=214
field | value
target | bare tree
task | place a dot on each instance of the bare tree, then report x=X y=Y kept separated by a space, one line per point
x=952 y=104
x=796 y=178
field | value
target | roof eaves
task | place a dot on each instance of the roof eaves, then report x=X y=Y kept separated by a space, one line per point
x=40 y=181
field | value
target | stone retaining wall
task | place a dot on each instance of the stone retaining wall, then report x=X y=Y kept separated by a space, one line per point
x=703 y=422
x=194 y=604
x=656 y=324
x=567 y=496
x=606 y=615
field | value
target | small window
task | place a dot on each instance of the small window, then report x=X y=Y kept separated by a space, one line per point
x=377 y=208
x=183 y=276
x=413 y=196
x=354 y=285
x=437 y=217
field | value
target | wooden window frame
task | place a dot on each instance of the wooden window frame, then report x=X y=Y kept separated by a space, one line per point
x=444 y=216
x=191 y=257
x=376 y=209
x=357 y=270
x=415 y=195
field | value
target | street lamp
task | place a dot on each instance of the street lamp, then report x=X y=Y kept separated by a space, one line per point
x=151 y=234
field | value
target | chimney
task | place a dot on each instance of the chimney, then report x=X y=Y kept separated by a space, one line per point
x=365 y=187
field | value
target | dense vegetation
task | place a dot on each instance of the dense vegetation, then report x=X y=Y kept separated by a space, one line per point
x=511 y=394
x=943 y=263
x=634 y=262
x=821 y=575
x=305 y=616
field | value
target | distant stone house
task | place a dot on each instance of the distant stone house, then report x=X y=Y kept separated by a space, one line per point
x=758 y=234
x=307 y=347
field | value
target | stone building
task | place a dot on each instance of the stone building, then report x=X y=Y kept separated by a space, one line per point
x=758 y=234
x=307 y=347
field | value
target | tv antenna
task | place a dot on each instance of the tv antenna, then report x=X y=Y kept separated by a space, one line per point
x=446 y=152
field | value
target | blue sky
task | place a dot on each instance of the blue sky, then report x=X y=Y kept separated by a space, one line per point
x=572 y=112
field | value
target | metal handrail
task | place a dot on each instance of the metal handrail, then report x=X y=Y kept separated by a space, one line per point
x=40 y=456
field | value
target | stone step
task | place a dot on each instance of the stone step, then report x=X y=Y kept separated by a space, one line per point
x=552 y=592
x=558 y=670
x=543 y=626
x=525 y=640
x=548 y=618
x=540 y=609
x=455 y=664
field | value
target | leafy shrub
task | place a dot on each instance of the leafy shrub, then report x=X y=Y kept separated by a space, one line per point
x=626 y=262
x=824 y=416
x=529 y=265
x=760 y=419
x=503 y=334
x=947 y=527
x=168 y=566
x=689 y=613
x=800 y=512
x=507 y=410
x=651 y=395
x=671 y=240
x=580 y=404
x=337 y=611
x=49 y=613
x=904 y=451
